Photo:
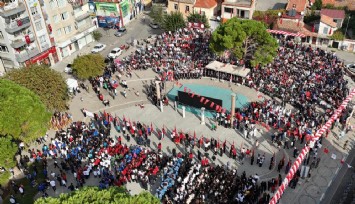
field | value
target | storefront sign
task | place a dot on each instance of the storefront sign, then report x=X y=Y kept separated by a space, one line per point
x=108 y=21
x=196 y=25
x=43 y=55
x=107 y=9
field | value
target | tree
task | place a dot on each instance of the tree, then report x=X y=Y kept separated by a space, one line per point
x=87 y=66
x=173 y=21
x=157 y=14
x=317 y=5
x=7 y=154
x=22 y=114
x=198 y=18
x=337 y=35
x=245 y=39
x=94 y=195
x=47 y=83
x=96 y=35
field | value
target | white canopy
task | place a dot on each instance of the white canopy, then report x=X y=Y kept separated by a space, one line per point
x=72 y=83
x=228 y=68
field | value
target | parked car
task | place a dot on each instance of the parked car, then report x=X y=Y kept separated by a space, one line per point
x=121 y=31
x=154 y=25
x=115 y=52
x=68 y=69
x=98 y=48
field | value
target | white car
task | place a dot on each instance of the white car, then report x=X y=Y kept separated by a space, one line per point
x=154 y=25
x=98 y=48
x=115 y=52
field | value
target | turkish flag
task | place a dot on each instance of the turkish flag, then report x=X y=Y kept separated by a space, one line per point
x=330 y=31
x=28 y=40
x=326 y=150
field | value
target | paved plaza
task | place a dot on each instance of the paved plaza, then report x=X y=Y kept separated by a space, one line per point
x=308 y=191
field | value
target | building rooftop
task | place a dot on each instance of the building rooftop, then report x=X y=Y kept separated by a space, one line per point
x=184 y=1
x=333 y=13
x=244 y=3
x=205 y=3
x=294 y=27
x=328 y=20
x=299 y=5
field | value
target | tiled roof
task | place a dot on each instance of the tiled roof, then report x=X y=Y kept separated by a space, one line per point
x=294 y=27
x=333 y=13
x=328 y=20
x=300 y=5
x=349 y=3
x=325 y=2
x=205 y=3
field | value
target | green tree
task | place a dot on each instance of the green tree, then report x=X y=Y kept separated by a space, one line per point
x=7 y=154
x=93 y=195
x=337 y=35
x=245 y=39
x=198 y=18
x=96 y=35
x=173 y=21
x=87 y=66
x=22 y=114
x=47 y=83
x=157 y=14
x=317 y=5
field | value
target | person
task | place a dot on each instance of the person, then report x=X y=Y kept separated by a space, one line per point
x=71 y=187
x=53 y=185
x=12 y=199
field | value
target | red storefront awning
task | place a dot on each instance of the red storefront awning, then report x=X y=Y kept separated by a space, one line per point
x=43 y=55
x=281 y=32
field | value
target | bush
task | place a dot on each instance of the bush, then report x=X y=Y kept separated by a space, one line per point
x=96 y=35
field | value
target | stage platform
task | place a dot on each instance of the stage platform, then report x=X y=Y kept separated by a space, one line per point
x=212 y=92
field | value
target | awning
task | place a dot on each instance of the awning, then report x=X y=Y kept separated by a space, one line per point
x=281 y=32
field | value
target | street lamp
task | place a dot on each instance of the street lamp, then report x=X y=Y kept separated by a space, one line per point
x=346 y=30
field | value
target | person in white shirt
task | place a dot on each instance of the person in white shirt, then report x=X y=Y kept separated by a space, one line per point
x=53 y=185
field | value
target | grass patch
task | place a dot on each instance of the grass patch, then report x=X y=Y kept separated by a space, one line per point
x=30 y=191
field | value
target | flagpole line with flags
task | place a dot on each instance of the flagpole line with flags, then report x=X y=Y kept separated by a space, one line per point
x=295 y=166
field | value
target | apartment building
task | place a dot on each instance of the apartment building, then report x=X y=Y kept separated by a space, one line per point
x=71 y=25
x=24 y=36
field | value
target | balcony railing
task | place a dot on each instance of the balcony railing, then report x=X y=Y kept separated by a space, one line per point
x=12 y=8
x=26 y=55
x=18 y=25
x=21 y=42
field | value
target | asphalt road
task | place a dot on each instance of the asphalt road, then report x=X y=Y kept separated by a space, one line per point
x=336 y=190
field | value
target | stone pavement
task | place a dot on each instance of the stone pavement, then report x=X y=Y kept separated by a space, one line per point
x=309 y=191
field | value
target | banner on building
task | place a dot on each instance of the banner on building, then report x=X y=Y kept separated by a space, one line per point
x=108 y=22
x=107 y=9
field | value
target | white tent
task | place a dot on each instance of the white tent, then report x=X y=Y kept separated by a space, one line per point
x=228 y=68
x=72 y=83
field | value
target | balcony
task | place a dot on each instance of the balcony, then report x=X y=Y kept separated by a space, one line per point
x=82 y=16
x=21 y=42
x=12 y=8
x=18 y=25
x=26 y=55
x=77 y=4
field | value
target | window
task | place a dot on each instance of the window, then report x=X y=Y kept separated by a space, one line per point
x=1 y=35
x=67 y=29
x=38 y=25
x=55 y=18
x=61 y=3
x=176 y=7
x=59 y=32
x=228 y=10
x=42 y=39
x=3 y=48
x=64 y=16
x=34 y=10
x=325 y=30
x=52 y=4
x=187 y=9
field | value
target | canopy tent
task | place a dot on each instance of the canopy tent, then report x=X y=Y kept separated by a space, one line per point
x=281 y=32
x=72 y=84
x=228 y=68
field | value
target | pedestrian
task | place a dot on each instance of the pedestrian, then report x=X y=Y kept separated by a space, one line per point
x=286 y=145
x=295 y=152
x=53 y=185
x=21 y=190
x=56 y=164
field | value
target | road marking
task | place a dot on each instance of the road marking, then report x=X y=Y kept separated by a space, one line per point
x=330 y=182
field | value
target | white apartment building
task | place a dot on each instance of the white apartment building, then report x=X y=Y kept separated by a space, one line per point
x=24 y=37
x=71 y=25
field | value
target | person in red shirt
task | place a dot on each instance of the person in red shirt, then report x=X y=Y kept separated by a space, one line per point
x=159 y=147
